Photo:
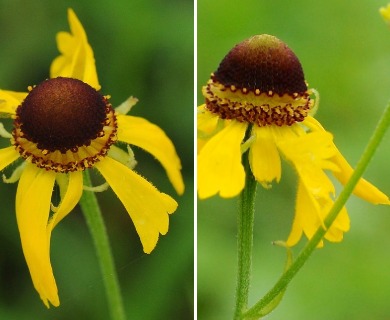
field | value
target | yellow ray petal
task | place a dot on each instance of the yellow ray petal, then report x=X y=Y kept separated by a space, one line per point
x=147 y=207
x=76 y=59
x=264 y=157
x=146 y=135
x=10 y=100
x=219 y=163
x=310 y=214
x=32 y=212
x=68 y=202
x=206 y=121
x=385 y=13
x=7 y=156
x=315 y=147
x=207 y=126
x=306 y=219
x=339 y=226
x=313 y=124
x=310 y=155
x=363 y=189
x=342 y=222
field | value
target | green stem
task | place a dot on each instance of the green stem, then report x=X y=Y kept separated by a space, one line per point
x=245 y=222
x=95 y=222
x=289 y=274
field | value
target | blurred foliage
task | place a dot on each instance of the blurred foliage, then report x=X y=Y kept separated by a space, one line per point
x=142 y=48
x=344 y=48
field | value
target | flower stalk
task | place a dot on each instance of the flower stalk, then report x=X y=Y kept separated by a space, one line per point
x=97 y=228
x=245 y=222
x=289 y=274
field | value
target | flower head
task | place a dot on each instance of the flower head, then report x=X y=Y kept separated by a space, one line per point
x=258 y=100
x=63 y=126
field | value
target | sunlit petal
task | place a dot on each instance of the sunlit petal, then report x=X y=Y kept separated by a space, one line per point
x=10 y=100
x=146 y=135
x=76 y=59
x=32 y=212
x=147 y=207
x=264 y=157
x=7 y=156
x=219 y=163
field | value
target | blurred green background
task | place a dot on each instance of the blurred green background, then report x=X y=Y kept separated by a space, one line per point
x=344 y=48
x=142 y=48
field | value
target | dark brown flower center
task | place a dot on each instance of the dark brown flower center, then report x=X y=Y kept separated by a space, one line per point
x=61 y=114
x=64 y=125
x=259 y=81
x=265 y=63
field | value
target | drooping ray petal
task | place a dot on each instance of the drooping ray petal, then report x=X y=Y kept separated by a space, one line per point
x=7 y=156
x=147 y=207
x=146 y=135
x=76 y=59
x=307 y=217
x=310 y=214
x=264 y=157
x=219 y=163
x=70 y=199
x=32 y=212
x=363 y=189
x=10 y=100
x=343 y=172
x=339 y=226
x=311 y=158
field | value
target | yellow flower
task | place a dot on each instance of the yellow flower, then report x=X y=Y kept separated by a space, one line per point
x=258 y=100
x=64 y=126
x=385 y=12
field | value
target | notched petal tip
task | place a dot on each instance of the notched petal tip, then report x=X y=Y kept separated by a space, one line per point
x=148 y=208
x=76 y=59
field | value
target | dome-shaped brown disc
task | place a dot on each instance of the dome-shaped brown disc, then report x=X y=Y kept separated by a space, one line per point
x=62 y=114
x=262 y=62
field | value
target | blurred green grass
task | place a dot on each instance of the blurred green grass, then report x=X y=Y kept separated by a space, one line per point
x=344 y=48
x=145 y=49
